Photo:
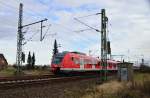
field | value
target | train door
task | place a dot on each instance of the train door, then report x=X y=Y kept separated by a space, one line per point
x=81 y=63
x=93 y=64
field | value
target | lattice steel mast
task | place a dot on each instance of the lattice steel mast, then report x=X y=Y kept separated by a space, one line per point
x=19 y=38
x=104 y=20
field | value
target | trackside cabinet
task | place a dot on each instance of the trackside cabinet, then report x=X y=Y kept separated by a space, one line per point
x=125 y=71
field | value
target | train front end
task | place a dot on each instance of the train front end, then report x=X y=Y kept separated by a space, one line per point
x=56 y=63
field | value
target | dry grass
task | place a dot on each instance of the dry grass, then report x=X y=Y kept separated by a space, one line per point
x=139 y=88
x=110 y=87
x=101 y=91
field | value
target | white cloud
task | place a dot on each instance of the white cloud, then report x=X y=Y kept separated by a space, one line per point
x=129 y=29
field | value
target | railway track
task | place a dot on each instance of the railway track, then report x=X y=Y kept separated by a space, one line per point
x=27 y=77
x=6 y=83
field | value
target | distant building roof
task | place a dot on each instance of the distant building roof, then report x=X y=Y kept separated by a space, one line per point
x=3 y=58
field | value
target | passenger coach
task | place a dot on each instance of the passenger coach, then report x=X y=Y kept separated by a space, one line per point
x=78 y=62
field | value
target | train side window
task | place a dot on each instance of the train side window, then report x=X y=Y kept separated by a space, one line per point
x=72 y=58
x=111 y=64
x=114 y=65
x=76 y=61
x=93 y=62
x=99 y=63
x=86 y=61
x=81 y=61
x=90 y=62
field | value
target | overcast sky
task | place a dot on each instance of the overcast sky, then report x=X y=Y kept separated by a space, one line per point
x=128 y=28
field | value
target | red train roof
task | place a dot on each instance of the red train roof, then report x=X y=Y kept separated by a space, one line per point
x=83 y=55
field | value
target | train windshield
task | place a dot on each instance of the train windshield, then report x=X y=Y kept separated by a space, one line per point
x=58 y=58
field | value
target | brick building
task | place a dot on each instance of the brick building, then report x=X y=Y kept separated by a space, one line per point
x=3 y=62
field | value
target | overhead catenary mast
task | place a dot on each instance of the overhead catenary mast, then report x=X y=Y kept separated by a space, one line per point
x=104 y=20
x=105 y=45
x=20 y=36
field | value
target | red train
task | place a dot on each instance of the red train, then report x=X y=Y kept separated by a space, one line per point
x=78 y=62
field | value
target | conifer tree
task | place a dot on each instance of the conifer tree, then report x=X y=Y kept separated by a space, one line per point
x=33 y=60
x=29 y=60
x=55 y=50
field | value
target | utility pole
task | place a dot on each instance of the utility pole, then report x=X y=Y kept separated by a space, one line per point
x=104 y=48
x=20 y=36
x=104 y=20
x=19 y=39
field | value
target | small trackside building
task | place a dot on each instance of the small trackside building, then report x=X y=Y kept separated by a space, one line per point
x=3 y=62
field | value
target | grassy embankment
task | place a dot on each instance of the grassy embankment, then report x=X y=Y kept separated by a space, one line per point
x=139 y=88
x=11 y=71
